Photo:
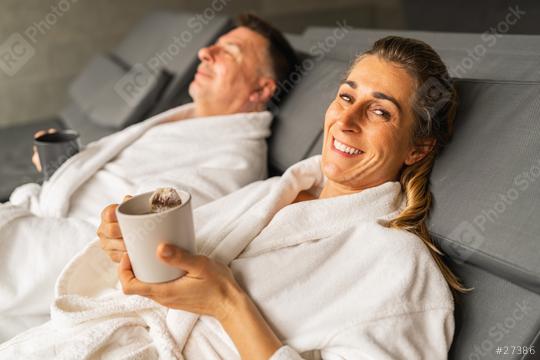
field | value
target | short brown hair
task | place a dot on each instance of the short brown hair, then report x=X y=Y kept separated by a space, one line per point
x=282 y=55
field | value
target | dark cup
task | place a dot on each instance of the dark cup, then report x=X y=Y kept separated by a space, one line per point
x=55 y=148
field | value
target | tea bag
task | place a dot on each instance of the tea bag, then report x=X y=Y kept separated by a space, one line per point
x=163 y=199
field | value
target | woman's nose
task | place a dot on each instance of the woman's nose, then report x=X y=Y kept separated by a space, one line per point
x=348 y=120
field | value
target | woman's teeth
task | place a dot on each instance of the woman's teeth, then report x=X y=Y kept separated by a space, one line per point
x=346 y=149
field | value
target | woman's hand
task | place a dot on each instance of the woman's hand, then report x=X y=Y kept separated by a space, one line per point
x=110 y=236
x=207 y=288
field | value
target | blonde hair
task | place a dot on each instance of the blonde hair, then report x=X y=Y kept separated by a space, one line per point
x=434 y=106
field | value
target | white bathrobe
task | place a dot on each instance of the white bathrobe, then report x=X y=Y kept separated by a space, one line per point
x=330 y=279
x=42 y=228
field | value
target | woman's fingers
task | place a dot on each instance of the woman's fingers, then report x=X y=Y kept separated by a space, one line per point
x=114 y=245
x=108 y=214
x=130 y=284
x=109 y=244
x=112 y=230
x=195 y=265
x=115 y=255
x=110 y=235
x=109 y=230
x=125 y=265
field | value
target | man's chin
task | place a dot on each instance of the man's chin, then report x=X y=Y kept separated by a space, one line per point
x=193 y=90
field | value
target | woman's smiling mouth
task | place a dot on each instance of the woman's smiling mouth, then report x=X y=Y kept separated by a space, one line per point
x=344 y=149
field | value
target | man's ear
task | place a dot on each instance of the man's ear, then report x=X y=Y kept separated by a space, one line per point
x=420 y=150
x=264 y=91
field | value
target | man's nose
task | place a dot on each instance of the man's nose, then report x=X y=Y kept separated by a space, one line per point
x=206 y=54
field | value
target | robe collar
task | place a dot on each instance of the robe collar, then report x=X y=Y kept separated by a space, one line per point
x=315 y=219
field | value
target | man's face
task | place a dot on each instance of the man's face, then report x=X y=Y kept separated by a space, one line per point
x=231 y=70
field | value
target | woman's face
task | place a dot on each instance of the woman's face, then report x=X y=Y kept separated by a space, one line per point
x=368 y=125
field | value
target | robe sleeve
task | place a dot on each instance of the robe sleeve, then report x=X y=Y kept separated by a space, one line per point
x=420 y=335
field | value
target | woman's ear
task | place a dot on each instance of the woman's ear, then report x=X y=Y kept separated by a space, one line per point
x=420 y=150
x=264 y=92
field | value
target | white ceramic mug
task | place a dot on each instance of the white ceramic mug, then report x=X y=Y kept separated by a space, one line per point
x=143 y=231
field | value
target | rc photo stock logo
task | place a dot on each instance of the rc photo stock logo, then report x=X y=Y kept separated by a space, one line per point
x=132 y=85
x=438 y=93
x=15 y=52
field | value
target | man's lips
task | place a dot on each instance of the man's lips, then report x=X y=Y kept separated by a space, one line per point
x=202 y=73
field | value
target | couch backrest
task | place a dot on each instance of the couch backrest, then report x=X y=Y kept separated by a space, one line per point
x=477 y=56
x=486 y=212
x=171 y=41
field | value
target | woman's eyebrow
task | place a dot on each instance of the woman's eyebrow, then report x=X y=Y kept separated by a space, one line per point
x=351 y=83
x=376 y=94
x=383 y=96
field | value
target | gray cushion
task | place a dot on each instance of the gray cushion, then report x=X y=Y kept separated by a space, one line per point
x=299 y=42
x=126 y=100
x=150 y=35
x=477 y=56
x=171 y=41
x=496 y=313
x=92 y=78
x=505 y=43
x=76 y=119
x=300 y=119
x=112 y=97
x=494 y=153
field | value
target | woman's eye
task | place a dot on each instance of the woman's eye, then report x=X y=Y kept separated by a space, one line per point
x=383 y=113
x=345 y=97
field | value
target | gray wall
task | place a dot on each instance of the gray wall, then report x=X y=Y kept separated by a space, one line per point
x=62 y=35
